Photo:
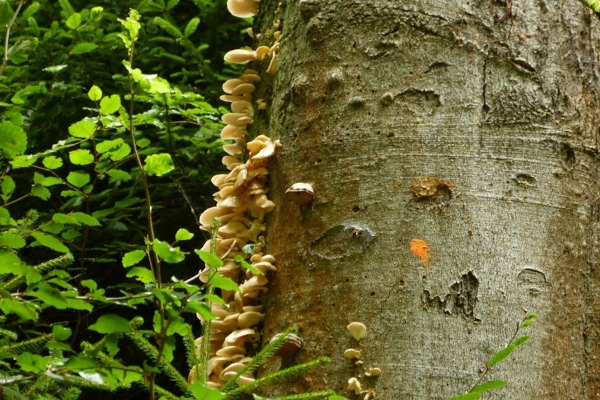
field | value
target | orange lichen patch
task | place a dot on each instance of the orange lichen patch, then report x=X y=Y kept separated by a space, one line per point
x=428 y=187
x=420 y=248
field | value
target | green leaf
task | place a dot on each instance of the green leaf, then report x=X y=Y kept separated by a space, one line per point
x=133 y=257
x=200 y=308
x=49 y=295
x=183 y=234
x=111 y=104
x=50 y=242
x=215 y=299
x=119 y=175
x=53 y=227
x=468 y=396
x=82 y=48
x=23 y=310
x=70 y=193
x=70 y=234
x=61 y=333
x=82 y=129
x=191 y=27
x=80 y=364
x=158 y=164
x=107 y=145
x=64 y=219
x=32 y=362
x=39 y=191
x=143 y=142
x=202 y=392
x=52 y=162
x=487 y=386
x=172 y=255
x=95 y=93
x=13 y=140
x=210 y=259
x=121 y=152
x=11 y=240
x=111 y=323
x=10 y=263
x=78 y=178
x=81 y=157
x=111 y=344
x=78 y=304
x=8 y=187
x=224 y=283
x=74 y=21
x=142 y=274
x=85 y=219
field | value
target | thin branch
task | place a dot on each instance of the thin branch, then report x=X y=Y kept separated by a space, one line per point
x=8 y=26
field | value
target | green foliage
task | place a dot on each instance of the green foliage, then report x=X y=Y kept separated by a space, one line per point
x=479 y=388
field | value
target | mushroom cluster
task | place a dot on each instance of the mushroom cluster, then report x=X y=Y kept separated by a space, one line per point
x=358 y=331
x=242 y=203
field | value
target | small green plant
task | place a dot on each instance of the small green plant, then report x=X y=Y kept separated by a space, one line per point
x=479 y=388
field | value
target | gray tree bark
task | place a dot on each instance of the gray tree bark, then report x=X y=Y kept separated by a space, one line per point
x=496 y=103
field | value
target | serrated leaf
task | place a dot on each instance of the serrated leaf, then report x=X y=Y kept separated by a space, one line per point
x=121 y=152
x=95 y=93
x=50 y=241
x=158 y=164
x=13 y=140
x=200 y=308
x=183 y=234
x=224 y=283
x=133 y=257
x=8 y=187
x=202 y=392
x=24 y=310
x=81 y=157
x=487 y=386
x=32 y=362
x=172 y=255
x=78 y=178
x=40 y=191
x=52 y=162
x=64 y=219
x=119 y=174
x=74 y=21
x=85 y=219
x=107 y=145
x=61 y=333
x=110 y=323
x=209 y=258
x=49 y=295
x=82 y=129
x=54 y=228
x=110 y=104
x=11 y=240
x=143 y=275
x=10 y=263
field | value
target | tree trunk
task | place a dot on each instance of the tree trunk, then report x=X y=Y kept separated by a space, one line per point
x=469 y=130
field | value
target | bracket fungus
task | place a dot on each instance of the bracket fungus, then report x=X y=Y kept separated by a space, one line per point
x=300 y=193
x=357 y=329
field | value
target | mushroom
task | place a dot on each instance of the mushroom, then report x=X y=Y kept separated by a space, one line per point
x=243 y=8
x=292 y=345
x=352 y=353
x=250 y=318
x=300 y=193
x=373 y=372
x=354 y=386
x=357 y=330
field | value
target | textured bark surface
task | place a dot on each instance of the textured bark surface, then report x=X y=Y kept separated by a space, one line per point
x=496 y=101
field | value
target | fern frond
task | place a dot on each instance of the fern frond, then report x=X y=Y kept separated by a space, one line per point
x=160 y=392
x=67 y=7
x=269 y=350
x=71 y=393
x=191 y=350
x=278 y=376
x=58 y=262
x=10 y=334
x=25 y=345
x=164 y=365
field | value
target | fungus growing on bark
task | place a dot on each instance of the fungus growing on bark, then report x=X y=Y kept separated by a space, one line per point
x=352 y=354
x=357 y=329
x=243 y=8
x=300 y=193
x=373 y=372
x=354 y=386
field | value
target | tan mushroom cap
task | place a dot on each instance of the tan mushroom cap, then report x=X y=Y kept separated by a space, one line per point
x=238 y=120
x=243 y=89
x=300 y=193
x=230 y=351
x=352 y=353
x=230 y=368
x=231 y=84
x=250 y=318
x=243 y=8
x=240 y=56
x=373 y=372
x=354 y=386
x=357 y=329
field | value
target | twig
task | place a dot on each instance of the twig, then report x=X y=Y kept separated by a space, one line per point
x=8 y=26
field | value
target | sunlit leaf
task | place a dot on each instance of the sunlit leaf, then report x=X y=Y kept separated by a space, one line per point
x=13 y=140
x=158 y=164
x=110 y=323
x=78 y=178
x=95 y=93
x=110 y=104
x=81 y=157
x=50 y=241
x=133 y=257
x=82 y=129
